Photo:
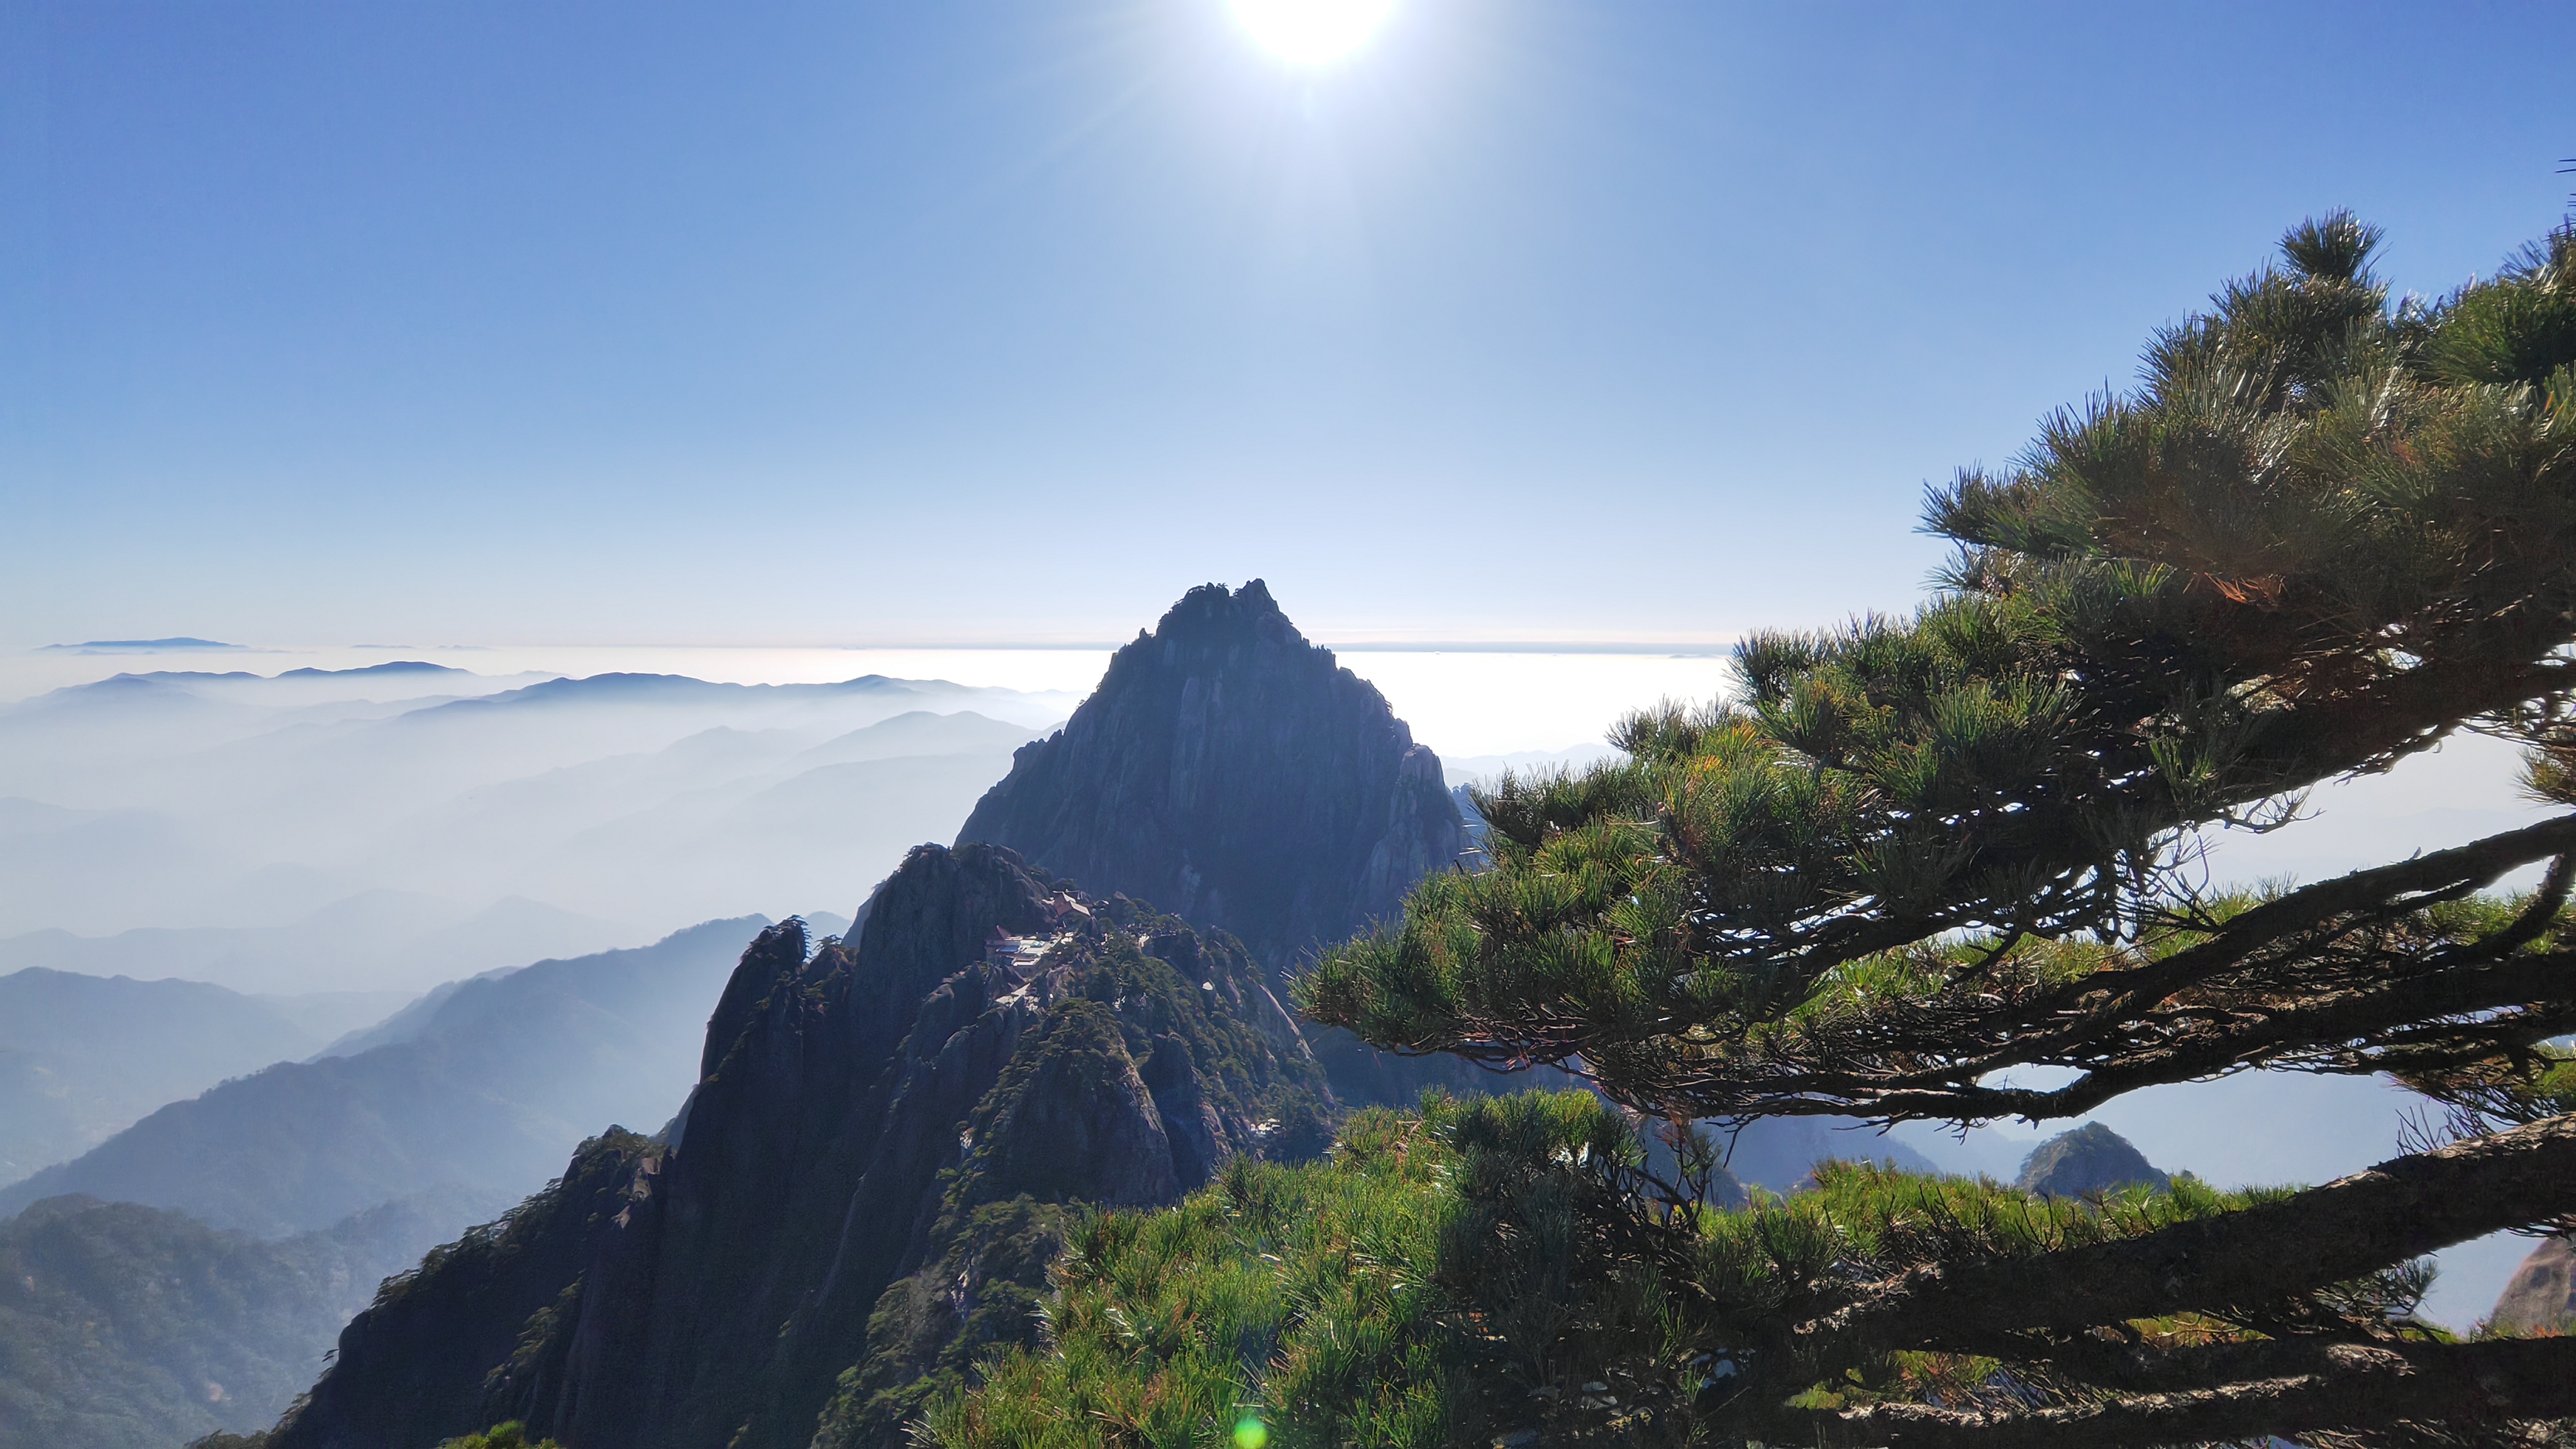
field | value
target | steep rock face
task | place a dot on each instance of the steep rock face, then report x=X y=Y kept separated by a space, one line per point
x=2542 y=1296
x=2090 y=1159
x=859 y=1109
x=1236 y=775
x=1071 y=1118
x=417 y=1358
x=931 y=1327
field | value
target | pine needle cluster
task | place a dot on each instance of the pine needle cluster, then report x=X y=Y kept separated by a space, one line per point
x=1904 y=860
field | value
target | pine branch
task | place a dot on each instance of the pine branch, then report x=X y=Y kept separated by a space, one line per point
x=2368 y=1389
x=2266 y=986
x=2224 y=1265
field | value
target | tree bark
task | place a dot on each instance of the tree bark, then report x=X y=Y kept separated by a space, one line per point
x=2235 y=1261
x=2355 y=1387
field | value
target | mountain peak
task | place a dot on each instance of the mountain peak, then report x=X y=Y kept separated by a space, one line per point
x=1235 y=775
x=1232 y=773
x=1212 y=614
x=2090 y=1159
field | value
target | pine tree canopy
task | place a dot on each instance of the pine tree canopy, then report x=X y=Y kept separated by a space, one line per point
x=1905 y=857
x=2326 y=533
x=1908 y=857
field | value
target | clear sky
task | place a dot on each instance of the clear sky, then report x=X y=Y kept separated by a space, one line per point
x=875 y=322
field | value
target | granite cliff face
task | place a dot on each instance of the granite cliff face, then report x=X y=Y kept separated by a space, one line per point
x=890 y=1132
x=1236 y=775
x=2542 y=1296
x=917 y=1101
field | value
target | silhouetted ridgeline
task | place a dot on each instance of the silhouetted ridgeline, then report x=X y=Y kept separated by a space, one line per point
x=1233 y=773
x=772 y=1267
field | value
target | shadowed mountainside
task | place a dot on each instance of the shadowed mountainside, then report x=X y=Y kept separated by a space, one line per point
x=128 y=1327
x=1236 y=775
x=82 y=1057
x=486 y=1090
x=869 y=1118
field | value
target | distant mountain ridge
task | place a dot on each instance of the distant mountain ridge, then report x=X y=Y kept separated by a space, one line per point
x=2541 y=1297
x=204 y=803
x=82 y=1057
x=129 y=1327
x=489 y=1092
x=180 y=644
x=890 y=1134
x=382 y=935
x=2090 y=1159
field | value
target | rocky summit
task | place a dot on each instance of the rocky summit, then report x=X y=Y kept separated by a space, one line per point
x=864 y=1190
x=2091 y=1159
x=2542 y=1296
x=1235 y=774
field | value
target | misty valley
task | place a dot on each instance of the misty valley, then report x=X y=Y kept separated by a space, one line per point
x=761 y=1180
x=2119 y=994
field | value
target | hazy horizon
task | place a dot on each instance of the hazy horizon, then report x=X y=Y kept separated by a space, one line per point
x=1531 y=353
x=2270 y=1127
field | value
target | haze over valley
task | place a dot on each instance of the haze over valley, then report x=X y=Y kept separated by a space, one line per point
x=389 y=828
x=325 y=844
x=1472 y=724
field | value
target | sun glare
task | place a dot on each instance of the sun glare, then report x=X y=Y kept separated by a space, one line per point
x=1311 y=32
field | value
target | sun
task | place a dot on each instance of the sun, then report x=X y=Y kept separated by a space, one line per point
x=1311 y=32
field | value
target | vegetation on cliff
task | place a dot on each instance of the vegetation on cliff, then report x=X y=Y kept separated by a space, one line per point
x=2091 y=1159
x=130 y=1327
x=887 y=1141
x=933 y=1330
x=1478 y=1271
x=1914 y=855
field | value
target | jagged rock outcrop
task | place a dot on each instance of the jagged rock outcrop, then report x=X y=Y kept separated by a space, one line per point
x=1236 y=775
x=2090 y=1159
x=2541 y=1298
x=863 y=1111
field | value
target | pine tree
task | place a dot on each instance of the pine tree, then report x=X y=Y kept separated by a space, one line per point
x=2328 y=532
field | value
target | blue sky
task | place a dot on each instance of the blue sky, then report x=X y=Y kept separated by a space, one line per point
x=815 y=323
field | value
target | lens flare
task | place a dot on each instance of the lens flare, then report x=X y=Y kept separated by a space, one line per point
x=1312 y=32
x=1250 y=1432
